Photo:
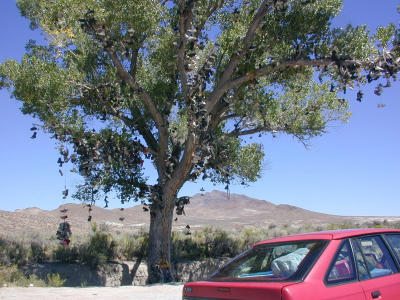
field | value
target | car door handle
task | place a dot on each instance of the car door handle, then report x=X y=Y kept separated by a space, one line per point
x=376 y=294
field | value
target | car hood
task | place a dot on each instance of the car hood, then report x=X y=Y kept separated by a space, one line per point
x=234 y=290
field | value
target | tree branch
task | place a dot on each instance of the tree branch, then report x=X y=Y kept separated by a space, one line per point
x=144 y=129
x=150 y=104
x=184 y=21
x=262 y=11
x=221 y=108
x=124 y=75
x=291 y=64
x=133 y=66
x=138 y=123
x=275 y=129
x=228 y=117
x=217 y=93
x=210 y=10
x=186 y=163
x=236 y=133
x=235 y=59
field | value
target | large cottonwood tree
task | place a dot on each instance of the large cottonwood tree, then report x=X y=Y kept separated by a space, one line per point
x=180 y=83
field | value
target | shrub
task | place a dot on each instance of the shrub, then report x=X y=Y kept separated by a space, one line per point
x=54 y=280
x=187 y=247
x=101 y=247
x=12 y=276
x=207 y=243
x=66 y=254
x=38 y=252
x=222 y=244
x=249 y=236
x=131 y=246
x=4 y=261
x=16 y=253
x=128 y=247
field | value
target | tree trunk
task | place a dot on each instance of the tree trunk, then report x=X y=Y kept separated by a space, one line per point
x=159 y=246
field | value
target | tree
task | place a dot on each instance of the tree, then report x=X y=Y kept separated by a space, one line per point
x=181 y=83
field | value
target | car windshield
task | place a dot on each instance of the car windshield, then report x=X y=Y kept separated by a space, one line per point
x=272 y=262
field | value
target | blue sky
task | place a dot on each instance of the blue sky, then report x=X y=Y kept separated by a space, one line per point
x=351 y=170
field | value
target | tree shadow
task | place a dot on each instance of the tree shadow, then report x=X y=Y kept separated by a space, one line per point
x=74 y=275
x=129 y=276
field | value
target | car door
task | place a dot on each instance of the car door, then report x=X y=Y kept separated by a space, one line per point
x=341 y=279
x=377 y=269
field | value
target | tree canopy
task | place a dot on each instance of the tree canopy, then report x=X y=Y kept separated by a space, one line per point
x=180 y=83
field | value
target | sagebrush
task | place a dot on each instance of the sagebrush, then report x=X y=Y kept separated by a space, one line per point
x=102 y=245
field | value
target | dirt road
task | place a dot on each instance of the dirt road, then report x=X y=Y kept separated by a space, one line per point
x=151 y=292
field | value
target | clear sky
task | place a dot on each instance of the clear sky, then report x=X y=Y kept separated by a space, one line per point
x=351 y=170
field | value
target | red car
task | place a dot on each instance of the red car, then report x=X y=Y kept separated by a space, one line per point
x=356 y=264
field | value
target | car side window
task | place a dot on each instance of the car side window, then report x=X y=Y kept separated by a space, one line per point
x=394 y=241
x=361 y=266
x=377 y=258
x=342 y=267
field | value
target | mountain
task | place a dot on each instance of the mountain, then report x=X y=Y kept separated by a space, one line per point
x=210 y=209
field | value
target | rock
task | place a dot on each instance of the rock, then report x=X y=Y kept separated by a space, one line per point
x=197 y=270
x=111 y=274
x=138 y=272
x=122 y=273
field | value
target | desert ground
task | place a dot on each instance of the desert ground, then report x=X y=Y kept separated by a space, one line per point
x=150 y=292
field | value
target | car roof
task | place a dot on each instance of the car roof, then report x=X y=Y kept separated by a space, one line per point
x=328 y=235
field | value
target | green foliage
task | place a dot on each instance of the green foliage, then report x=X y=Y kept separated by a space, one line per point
x=38 y=252
x=213 y=243
x=340 y=226
x=13 y=252
x=246 y=162
x=12 y=276
x=133 y=246
x=73 y=80
x=121 y=82
x=54 y=280
x=67 y=255
x=94 y=250
x=384 y=34
x=100 y=249
x=354 y=42
x=18 y=251
x=210 y=242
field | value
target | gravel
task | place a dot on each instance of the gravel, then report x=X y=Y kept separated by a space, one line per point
x=150 y=292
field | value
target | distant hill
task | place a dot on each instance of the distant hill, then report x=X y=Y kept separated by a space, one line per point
x=209 y=209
